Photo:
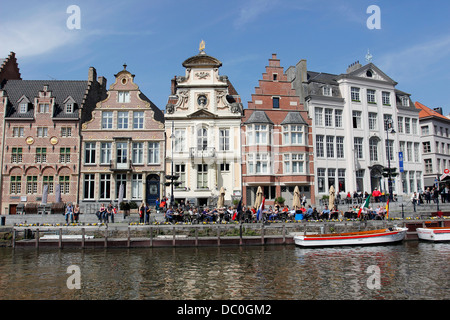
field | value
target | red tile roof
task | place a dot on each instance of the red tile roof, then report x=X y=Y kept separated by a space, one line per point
x=426 y=112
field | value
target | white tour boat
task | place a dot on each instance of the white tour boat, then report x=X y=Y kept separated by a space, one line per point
x=434 y=234
x=380 y=236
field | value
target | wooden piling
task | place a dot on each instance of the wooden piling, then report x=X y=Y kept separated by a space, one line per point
x=240 y=234
x=218 y=236
x=60 y=238
x=262 y=233
x=151 y=236
x=196 y=236
x=128 y=237
x=106 y=237
x=83 y=237
x=174 y=233
x=37 y=238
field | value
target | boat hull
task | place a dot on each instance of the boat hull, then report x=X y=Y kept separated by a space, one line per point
x=434 y=234
x=357 y=238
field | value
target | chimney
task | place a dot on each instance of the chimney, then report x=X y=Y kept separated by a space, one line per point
x=438 y=110
x=354 y=66
x=173 y=86
x=92 y=76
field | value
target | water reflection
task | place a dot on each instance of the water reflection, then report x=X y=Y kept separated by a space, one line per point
x=410 y=270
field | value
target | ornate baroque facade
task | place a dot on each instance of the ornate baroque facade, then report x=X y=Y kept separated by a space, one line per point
x=203 y=118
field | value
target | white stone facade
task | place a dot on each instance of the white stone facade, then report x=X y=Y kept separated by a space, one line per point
x=351 y=143
x=203 y=116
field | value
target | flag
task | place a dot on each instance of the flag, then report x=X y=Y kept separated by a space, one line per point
x=366 y=205
x=387 y=209
x=238 y=210
x=260 y=210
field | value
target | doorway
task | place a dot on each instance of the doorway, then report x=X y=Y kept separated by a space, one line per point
x=152 y=189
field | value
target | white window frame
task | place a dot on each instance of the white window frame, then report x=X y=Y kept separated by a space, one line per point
x=122 y=120
x=107 y=119
x=153 y=152
x=123 y=96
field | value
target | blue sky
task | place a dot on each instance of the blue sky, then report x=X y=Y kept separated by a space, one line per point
x=154 y=37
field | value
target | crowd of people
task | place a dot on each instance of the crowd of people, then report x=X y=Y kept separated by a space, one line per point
x=188 y=213
x=248 y=214
x=433 y=194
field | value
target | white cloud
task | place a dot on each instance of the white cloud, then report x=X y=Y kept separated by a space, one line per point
x=419 y=59
x=36 y=34
x=252 y=10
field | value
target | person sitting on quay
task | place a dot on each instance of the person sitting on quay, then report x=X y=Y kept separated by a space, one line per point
x=273 y=215
x=108 y=213
x=206 y=215
x=100 y=213
x=76 y=212
x=69 y=213
x=334 y=214
x=169 y=214
x=325 y=213
x=309 y=213
x=229 y=214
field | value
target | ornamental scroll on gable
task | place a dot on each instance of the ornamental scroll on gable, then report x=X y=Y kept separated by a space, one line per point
x=180 y=101
x=225 y=101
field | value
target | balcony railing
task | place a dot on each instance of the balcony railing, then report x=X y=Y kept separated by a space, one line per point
x=196 y=153
x=120 y=166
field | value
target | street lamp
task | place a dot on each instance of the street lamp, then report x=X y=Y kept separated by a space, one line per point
x=389 y=126
x=172 y=177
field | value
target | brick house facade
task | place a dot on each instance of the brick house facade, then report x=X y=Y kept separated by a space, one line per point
x=42 y=139
x=276 y=141
x=123 y=143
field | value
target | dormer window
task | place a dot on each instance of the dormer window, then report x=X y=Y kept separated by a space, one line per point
x=69 y=105
x=23 y=104
x=23 y=107
x=326 y=91
x=405 y=101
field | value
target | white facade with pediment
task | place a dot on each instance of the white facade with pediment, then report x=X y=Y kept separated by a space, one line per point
x=351 y=144
x=203 y=118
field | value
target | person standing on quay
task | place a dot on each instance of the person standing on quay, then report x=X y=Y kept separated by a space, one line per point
x=141 y=212
x=147 y=214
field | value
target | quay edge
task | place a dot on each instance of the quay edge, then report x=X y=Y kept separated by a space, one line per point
x=218 y=235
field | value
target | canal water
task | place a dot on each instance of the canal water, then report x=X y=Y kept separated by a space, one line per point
x=409 y=270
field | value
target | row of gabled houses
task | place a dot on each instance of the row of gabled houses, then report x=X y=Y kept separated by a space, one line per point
x=82 y=141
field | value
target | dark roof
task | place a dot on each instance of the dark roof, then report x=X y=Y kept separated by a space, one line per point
x=158 y=113
x=321 y=77
x=258 y=116
x=293 y=117
x=60 y=90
